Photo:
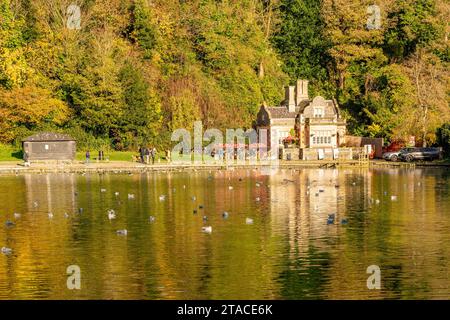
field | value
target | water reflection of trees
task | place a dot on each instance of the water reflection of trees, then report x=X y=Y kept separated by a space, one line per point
x=290 y=251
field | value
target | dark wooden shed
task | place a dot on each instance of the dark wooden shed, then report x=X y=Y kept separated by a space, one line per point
x=49 y=146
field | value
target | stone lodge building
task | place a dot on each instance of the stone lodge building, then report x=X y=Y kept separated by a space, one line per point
x=316 y=123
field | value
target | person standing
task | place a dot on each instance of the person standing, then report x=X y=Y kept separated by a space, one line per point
x=147 y=155
x=153 y=154
x=88 y=156
x=142 y=153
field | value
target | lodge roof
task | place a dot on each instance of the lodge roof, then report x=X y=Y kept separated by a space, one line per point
x=282 y=111
x=49 y=136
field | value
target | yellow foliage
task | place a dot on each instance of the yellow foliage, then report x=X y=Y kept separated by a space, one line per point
x=28 y=106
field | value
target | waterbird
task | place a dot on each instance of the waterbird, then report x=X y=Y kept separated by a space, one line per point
x=80 y=210
x=116 y=194
x=207 y=229
x=193 y=198
x=6 y=250
x=205 y=218
x=257 y=199
x=17 y=215
x=225 y=215
x=393 y=198
x=151 y=219
x=162 y=197
x=248 y=221
x=102 y=190
x=321 y=190
x=122 y=232
x=200 y=206
x=230 y=187
x=330 y=219
x=130 y=196
x=354 y=183
x=9 y=223
x=66 y=215
x=194 y=211
x=111 y=214
x=317 y=194
x=35 y=204
x=344 y=221
x=377 y=201
x=258 y=184
x=50 y=215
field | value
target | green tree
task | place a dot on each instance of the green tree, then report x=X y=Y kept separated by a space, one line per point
x=443 y=134
x=302 y=43
x=14 y=70
x=141 y=29
x=141 y=117
x=411 y=24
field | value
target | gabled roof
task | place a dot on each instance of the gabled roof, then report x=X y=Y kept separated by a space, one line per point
x=49 y=136
x=282 y=111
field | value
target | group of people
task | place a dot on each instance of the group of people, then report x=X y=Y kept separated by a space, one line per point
x=145 y=154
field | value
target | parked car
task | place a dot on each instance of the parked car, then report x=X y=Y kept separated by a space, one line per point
x=393 y=155
x=412 y=154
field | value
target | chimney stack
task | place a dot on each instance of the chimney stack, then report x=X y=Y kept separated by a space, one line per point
x=290 y=98
x=301 y=91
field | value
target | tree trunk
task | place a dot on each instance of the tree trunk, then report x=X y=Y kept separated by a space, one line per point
x=424 y=126
x=261 y=70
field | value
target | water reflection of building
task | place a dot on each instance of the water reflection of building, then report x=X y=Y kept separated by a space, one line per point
x=301 y=201
x=50 y=192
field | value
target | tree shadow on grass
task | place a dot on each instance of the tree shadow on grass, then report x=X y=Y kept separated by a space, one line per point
x=17 y=154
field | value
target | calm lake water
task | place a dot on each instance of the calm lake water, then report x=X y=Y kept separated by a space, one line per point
x=398 y=219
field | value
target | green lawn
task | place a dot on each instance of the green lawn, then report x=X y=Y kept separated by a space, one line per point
x=113 y=155
x=9 y=153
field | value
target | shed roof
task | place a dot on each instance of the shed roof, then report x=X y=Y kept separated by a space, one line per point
x=49 y=136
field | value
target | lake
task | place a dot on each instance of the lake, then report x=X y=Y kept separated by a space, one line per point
x=277 y=241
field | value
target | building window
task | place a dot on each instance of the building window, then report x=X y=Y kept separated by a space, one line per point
x=321 y=137
x=318 y=113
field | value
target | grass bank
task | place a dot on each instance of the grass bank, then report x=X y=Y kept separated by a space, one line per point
x=9 y=153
